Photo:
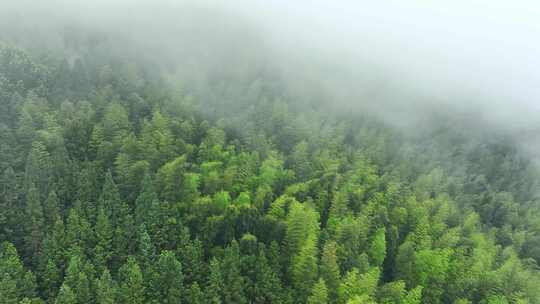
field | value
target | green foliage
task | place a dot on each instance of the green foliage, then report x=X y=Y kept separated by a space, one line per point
x=131 y=284
x=329 y=269
x=377 y=250
x=16 y=283
x=166 y=279
x=319 y=293
x=34 y=214
x=105 y=289
x=195 y=295
x=66 y=296
x=356 y=285
x=117 y=187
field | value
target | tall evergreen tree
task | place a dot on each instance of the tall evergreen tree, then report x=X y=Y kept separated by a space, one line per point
x=34 y=213
x=319 y=293
x=377 y=250
x=105 y=289
x=144 y=201
x=166 y=279
x=104 y=236
x=233 y=289
x=215 y=284
x=329 y=269
x=195 y=295
x=66 y=296
x=52 y=209
x=9 y=200
x=131 y=285
x=16 y=282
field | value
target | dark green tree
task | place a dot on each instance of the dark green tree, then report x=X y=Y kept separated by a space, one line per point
x=319 y=293
x=105 y=289
x=131 y=284
x=36 y=224
x=166 y=279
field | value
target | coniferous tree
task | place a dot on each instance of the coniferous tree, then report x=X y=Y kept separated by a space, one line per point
x=304 y=270
x=66 y=296
x=377 y=249
x=9 y=198
x=215 y=284
x=104 y=236
x=329 y=269
x=51 y=209
x=105 y=289
x=16 y=282
x=144 y=201
x=131 y=285
x=268 y=287
x=105 y=166
x=319 y=293
x=233 y=289
x=34 y=213
x=191 y=255
x=146 y=250
x=195 y=294
x=51 y=280
x=54 y=244
x=166 y=279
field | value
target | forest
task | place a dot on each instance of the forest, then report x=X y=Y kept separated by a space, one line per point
x=117 y=185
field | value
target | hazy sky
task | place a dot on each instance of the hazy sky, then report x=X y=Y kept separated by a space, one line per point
x=481 y=54
x=487 y=47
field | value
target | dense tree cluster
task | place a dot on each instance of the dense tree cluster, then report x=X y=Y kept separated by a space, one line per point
x=117 y=188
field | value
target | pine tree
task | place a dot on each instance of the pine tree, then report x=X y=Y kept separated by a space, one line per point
x=304 y=270
x=38 y=169
x=414 y=296
x=105 y=289
x=329 y=269
x=215 y=283
x=377 y=250
x=77 y=278
x=51 y=280
x=302 y=228
x=191 y=255
x=275 y=258
x=268 y=287
x=355 y=285
x=195 y=295
x=16 y=283
x=66 y=296
x=104 y=234
x=79 y=232
x=34 y=213
x=166 y=279
x=73 y=271
x=431 y=269
x=405 y=264
x=124 y=240
x=52 y=209
x=319 y=293
x=233 y=289
x=131 y=289
x=143 y=204
x=146 y=250
x=88 y=189
x=54 y=245
x=9 y=201
x=110 y=199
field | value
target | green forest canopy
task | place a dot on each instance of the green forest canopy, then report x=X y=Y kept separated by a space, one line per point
x=116 y=187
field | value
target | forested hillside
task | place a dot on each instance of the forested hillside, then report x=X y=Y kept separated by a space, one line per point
x=116 y=186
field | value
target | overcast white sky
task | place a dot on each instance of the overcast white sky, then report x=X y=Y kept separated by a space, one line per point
x=488 y=47
x=482 y=52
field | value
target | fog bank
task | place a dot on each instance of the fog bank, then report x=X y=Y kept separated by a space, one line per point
x=475 y=59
